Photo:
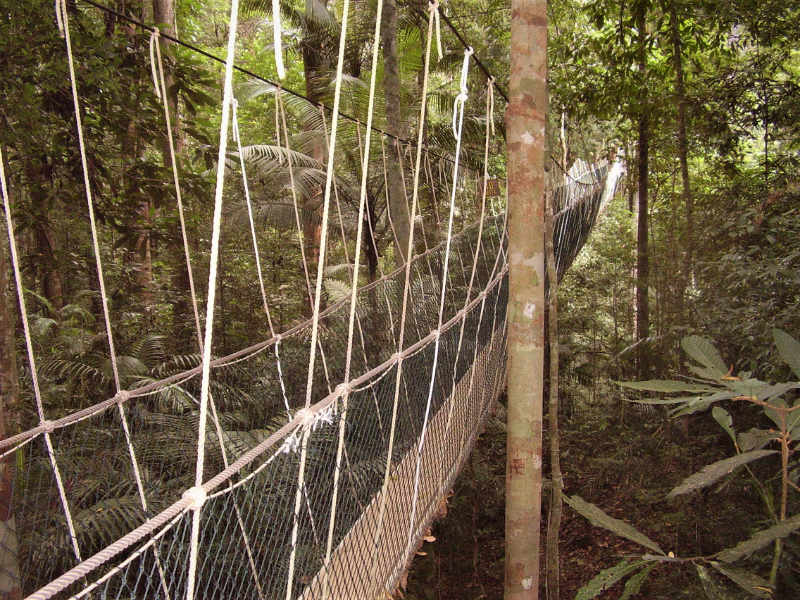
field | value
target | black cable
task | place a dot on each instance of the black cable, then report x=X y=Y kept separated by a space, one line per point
x=249 y=73
x=466 y=45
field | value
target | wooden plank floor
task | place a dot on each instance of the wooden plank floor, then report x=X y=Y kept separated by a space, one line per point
x=358 y=570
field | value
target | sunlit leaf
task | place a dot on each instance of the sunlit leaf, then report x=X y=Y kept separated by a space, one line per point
x=704 y=352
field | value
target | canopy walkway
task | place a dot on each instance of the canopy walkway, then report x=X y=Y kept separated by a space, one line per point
x=306 y=466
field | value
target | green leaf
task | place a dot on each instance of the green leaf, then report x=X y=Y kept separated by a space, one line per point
x=598 y=518
x=606 y=578
x=713 y=590
x=754 y=439
x=789 y=349
x=723 y=417
x=760 y=539
x=711 y=473
x=749 y=582
x=634 y=585
x=666 y=386
x=704 y=352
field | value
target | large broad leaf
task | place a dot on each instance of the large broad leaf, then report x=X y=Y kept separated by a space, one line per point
x=711 y=473
x=667 y=386
x=634 y=585
x=704 y=352
x=789 y=349
x=598 y=518
x=606 y=578
x=725 y=420
x=755 y=439
x=749 y=582
x=760 y=539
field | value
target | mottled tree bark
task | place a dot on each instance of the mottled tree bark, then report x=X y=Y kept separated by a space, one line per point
x=398 y=207
x=526 y=116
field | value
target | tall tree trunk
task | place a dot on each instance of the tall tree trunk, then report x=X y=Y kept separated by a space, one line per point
x=10 y=580
x=556 y=496
x=642 y=264
x=683 y=144
x=398 y=207
x=526 y=118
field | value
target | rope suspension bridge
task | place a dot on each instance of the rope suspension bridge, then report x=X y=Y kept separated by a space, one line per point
x=319 y=477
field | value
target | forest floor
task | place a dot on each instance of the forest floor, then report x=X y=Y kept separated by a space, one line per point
x=622 y=459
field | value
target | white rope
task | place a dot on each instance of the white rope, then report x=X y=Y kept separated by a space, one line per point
x=32 y=361
x=458 y=108
x=318 y=292
x=161 y=92
x=354 y=288
x=212 y=289
x=401 y=335
x=438 y=28
x=276 y=37
x=461 y=98
x=62 y=17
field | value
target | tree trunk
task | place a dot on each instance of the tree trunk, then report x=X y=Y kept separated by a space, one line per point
x=556 y=496
x=10 y=580
x=683 y=144
x=526 y=118
x=642 y=265
x=398 y=207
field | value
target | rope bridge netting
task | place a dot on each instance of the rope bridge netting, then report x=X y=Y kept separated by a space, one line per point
x=310 y=464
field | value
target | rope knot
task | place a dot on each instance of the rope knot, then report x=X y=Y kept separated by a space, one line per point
x=61 y=12
x=154 y=34
x=48 y=426
x=342 y=389
x=196 y=497
x=305 y=416
x=122 y=396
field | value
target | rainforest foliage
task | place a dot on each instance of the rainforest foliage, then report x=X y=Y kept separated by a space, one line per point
x=700 y=101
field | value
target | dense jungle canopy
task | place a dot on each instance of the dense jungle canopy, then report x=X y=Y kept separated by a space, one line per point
x=698 y=101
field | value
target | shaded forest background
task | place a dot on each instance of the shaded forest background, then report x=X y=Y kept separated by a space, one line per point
x=700 y=100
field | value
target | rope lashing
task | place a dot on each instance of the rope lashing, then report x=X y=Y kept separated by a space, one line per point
x=461 y=98
x=434 y=8
x=276 y=38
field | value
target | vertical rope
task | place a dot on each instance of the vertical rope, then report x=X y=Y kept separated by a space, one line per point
x=161 y=85
x=433 y=7
x=32 y=361
x=318 y=291
x=197 y=493
x=354 y=289
x=458 y=126
x=489 y=112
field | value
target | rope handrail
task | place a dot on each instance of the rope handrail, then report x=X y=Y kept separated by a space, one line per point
x=146 y=388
